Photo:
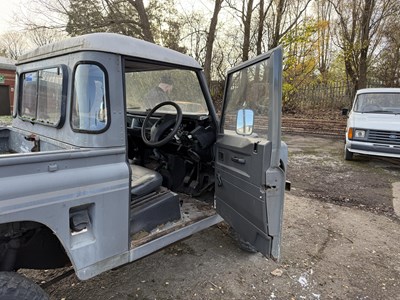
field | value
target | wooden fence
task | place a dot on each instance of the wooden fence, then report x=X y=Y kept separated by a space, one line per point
x=333 y=96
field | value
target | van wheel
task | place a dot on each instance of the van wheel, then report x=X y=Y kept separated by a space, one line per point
x=14 y=286
x=348 y=155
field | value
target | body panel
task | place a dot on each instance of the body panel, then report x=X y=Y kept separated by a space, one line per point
x=250 y=182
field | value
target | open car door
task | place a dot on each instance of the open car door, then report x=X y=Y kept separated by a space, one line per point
x=250 y=176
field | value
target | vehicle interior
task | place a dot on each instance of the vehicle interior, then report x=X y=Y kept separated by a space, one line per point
x=170 y=138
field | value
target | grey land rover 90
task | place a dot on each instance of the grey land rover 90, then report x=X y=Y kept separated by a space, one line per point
x=116 y=151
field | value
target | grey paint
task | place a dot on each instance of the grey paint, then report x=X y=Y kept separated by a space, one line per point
x=111 y=43
x=115 y=135
x=77 y=170
x=81 y=178
x=250 y=195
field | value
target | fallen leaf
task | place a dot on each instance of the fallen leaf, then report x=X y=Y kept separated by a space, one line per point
x=277 y=272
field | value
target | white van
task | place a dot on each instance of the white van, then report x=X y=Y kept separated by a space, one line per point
x=373 y=126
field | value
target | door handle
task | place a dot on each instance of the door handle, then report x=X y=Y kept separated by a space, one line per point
x=219 y=179
x=238 y=160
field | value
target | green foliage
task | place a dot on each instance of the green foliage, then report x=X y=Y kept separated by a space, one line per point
x=120 y=16
x=300 y=60
x=166 y=24
x=85 y=16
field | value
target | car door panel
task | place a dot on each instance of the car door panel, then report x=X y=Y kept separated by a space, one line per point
x=250 y=181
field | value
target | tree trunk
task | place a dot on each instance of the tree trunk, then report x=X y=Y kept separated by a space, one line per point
x=247 y=26
x=277 y=30
x=260 y=27
x=144 y=19
x=365 y=41
x=210 y=40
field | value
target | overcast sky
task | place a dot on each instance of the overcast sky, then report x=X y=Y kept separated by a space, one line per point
x=7 y=9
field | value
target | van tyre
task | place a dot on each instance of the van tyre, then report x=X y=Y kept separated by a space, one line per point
x=14 y=286
x=348 y=155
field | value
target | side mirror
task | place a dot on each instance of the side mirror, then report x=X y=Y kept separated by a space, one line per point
x=244 y=121
x=345 y=111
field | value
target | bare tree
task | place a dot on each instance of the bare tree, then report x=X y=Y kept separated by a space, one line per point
x=13 y=44
x=262 y=14
x=245 y=14
x=386 y=68
x=43 y=36
x=324 y=12
x=285 y=15
x=210 y=40
x=359 y=28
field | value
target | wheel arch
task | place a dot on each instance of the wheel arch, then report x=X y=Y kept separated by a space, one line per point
x=31 y=244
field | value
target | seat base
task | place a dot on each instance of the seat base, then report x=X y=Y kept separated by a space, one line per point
x=153 y=210
x=144 y=181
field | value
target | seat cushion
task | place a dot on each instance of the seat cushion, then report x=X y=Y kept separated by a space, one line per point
x=144 y=180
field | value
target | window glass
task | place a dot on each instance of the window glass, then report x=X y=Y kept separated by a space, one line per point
x=50 y=95
x=388 y=103
x=89 y=111
x=29 y=96
x=41 y=98
x=146 y=89
x=249 y=88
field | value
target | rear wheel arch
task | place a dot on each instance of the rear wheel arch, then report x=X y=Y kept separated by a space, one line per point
x=28 y=244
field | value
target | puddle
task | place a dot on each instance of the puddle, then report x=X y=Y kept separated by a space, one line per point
x=396 y=198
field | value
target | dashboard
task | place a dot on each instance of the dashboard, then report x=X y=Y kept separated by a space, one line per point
x=196 y=133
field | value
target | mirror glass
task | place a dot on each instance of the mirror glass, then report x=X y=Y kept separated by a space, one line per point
x=244 y=121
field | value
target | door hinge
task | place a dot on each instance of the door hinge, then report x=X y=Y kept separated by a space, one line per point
x=271 y=179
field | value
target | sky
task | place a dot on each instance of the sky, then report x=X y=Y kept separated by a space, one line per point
x=7 y=10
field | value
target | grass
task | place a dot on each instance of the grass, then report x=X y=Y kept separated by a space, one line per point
x=5 y=120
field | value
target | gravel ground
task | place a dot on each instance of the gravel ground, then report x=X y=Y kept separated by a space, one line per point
x=340 y=241
x=317 y=170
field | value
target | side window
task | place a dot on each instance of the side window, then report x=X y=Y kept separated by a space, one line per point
x=42 y=96
x=248 y=89
x=89 y=105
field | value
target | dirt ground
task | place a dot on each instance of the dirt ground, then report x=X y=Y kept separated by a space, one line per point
x=340 y=241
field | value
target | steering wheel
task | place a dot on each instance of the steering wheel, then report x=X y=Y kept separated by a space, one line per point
x=164 y=123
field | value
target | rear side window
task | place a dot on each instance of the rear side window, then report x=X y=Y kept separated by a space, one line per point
x=42 y=96
x=89 y=105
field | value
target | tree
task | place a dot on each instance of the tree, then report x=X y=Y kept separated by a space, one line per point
x=210 y=40
x=359 y=26
x=324 y=12
x=12 y=44
x=245 y=15
x=144 y=19
x=300 y=60
x=284 y=15
x=166 y=24
x=262 y=14
x=43 y=36
x=386 y=68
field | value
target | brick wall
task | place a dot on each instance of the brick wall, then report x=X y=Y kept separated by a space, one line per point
x=9 y=80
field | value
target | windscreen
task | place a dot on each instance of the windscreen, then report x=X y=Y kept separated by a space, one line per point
x=146 y=89
x=388 y=103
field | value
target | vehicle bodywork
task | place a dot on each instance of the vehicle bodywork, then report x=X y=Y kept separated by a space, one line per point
x=80 y=185
x=373 y=123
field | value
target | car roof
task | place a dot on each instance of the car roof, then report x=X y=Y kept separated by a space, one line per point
x=378 y=90
x=111 y=43
x=7 y=64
